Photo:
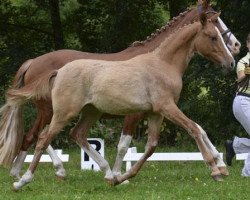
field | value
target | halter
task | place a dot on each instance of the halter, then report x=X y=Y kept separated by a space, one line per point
x=200 y=10
x=224 y=33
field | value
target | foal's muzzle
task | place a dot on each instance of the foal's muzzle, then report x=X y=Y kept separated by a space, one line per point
x=229 y=65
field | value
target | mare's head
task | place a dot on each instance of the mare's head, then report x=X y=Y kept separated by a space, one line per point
x=230 y=40
x=210 y=44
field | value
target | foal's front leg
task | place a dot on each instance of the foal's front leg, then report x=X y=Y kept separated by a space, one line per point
x=79 y=133
x=154 y=123
x=218 y=159
x=172 y=112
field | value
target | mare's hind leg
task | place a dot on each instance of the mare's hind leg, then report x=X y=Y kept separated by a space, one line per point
x=172 y=112
x=43 y=117
x=129 y=128
x=218 y=158
x=79 y=133
x=154 y=123
x=57 y=163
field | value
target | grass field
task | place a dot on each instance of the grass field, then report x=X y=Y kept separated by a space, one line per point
x=156 y=180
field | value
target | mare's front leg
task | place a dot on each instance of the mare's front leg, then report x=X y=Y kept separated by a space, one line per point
x=129 y=128
x=154 y=123
x=79 y=133
x=172 y=112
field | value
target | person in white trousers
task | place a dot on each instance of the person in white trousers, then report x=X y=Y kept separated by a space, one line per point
x=241 y=110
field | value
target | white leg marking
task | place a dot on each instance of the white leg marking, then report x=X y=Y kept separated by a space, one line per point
x=60 y=171
x=17 y=165
x=26 y=178
x=103 y=164
x=211 y=147
x=123 y=145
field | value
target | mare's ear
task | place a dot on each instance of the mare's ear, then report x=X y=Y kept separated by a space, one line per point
x=215 y=17
x=205 y=3
x=203 y=18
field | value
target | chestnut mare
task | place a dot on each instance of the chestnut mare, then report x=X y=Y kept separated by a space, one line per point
x=92 y=87
x=11 y=127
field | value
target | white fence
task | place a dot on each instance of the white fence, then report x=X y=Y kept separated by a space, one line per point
x=132 y=155
x=46 y=157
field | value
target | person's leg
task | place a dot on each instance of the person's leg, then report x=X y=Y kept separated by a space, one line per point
x=241 y=145
x=246 y=169
x=241 y=110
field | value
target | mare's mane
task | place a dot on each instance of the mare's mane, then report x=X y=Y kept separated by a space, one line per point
x=171 y=23
x=162 y=29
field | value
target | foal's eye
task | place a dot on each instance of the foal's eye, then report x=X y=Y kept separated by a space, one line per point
x=214 y=38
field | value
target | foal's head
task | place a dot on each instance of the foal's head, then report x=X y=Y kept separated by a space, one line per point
x=210 y=44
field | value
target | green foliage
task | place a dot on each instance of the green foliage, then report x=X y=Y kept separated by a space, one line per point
x=117 y=24
x=26 y=31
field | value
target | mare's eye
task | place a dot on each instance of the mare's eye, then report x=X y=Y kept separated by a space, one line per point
x=214 y=38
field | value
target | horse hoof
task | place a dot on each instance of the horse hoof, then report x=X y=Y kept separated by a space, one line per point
x=60 y=178
x=224 y=171
x=16 y=186
x=217 y=178
x=14 y=189
x=125 y=182
x=112 y=181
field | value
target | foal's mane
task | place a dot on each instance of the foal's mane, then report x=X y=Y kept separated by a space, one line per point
x=177 y=32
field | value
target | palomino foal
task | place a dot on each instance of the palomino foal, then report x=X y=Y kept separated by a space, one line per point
x=93 y=87
x=12 y=143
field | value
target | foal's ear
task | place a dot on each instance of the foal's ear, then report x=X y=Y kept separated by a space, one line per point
x=215 y=17
x=203 y=18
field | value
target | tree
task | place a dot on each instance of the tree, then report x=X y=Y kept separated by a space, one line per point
x=56 y=24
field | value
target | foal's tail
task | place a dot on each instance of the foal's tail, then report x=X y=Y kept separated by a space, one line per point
x=11 y=121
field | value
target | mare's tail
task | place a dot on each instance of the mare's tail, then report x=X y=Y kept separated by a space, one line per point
x=11 y=121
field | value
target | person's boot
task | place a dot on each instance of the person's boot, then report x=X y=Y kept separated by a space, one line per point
x=229 y=152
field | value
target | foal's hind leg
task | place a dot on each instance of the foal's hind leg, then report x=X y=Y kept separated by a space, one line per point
x=44 y=140
x=43 y=117
x=218 y=159
x=129 y=128
x=173 y=113
x=154 y=123
x=28 y=140
x=79 y=133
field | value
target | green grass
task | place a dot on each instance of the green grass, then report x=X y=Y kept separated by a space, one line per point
x=156 y=180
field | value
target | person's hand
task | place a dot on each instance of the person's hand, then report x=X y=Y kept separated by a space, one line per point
x=247 y=70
